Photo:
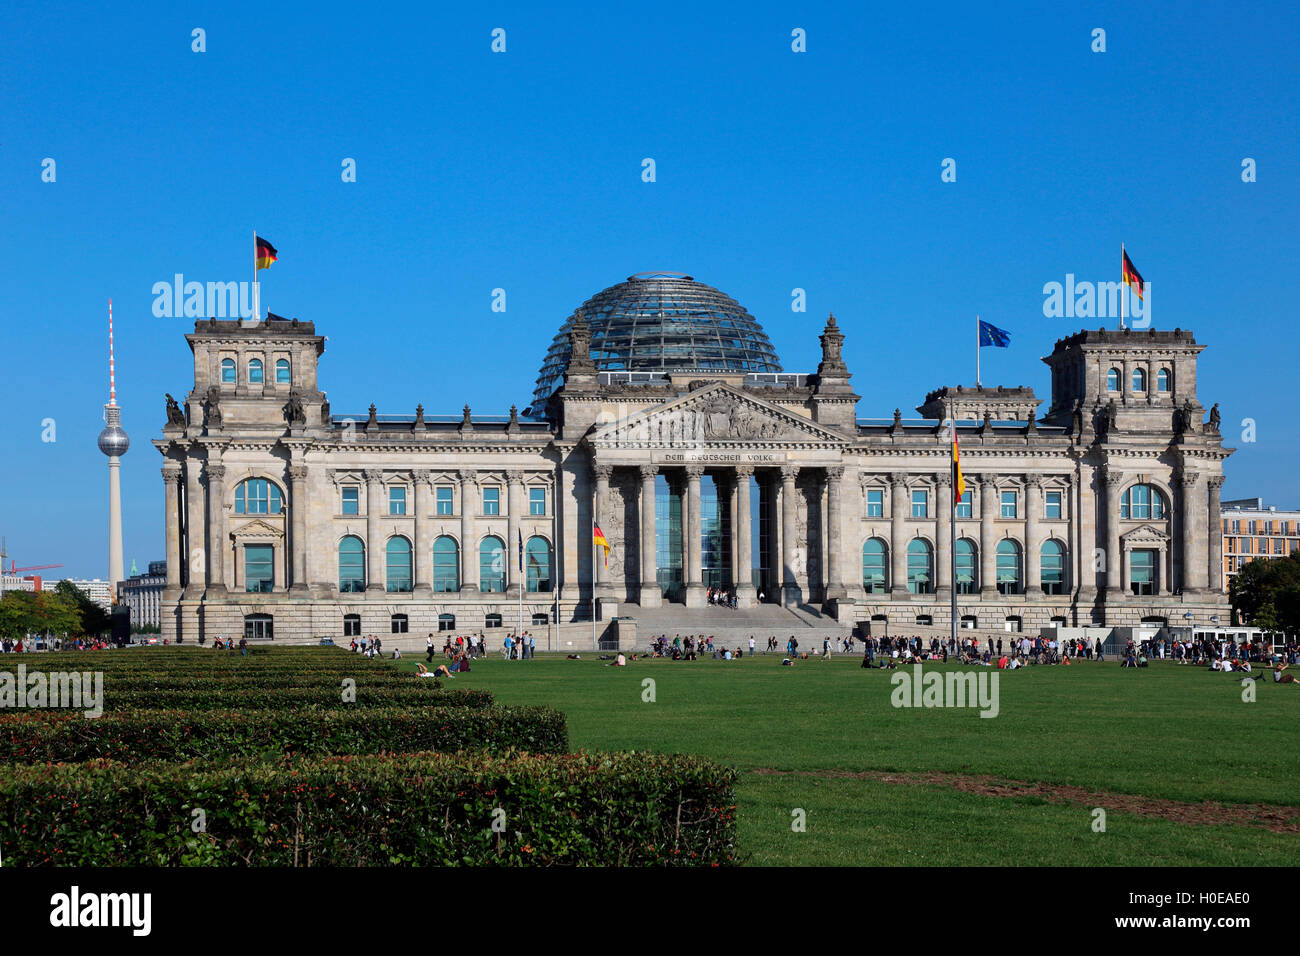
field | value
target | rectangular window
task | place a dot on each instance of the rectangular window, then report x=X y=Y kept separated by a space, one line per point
x=1251 y=528
x=875 y=504
x=491 y=501
x=397 y=501
x=965 y=507
x=1008 y=504
x=537 y=501
x=444 y=499
x=1053 y=504
x=258 y=564
x=1142 y=572
x=920 y=504
x=1236 y=527
x=351 y=500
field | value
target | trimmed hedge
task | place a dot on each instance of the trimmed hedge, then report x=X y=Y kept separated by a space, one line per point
x=624 y=809
x=183 y=735
x=329 y=695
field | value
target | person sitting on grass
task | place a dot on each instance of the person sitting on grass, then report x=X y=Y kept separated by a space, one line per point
x=1280 y=677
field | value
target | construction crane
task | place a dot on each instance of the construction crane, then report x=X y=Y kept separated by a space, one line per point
x=14 y=569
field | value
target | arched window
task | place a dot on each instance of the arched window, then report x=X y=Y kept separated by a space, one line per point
x=1112 y=380
x=1162 y=380
x=1009 y=567
x=1139 y=379
x=874 y=563
x=920 y=572
x=352 y=564
x=968 y=581
x=491 y=566
x=446 y=565
x=398 y=554
x=538 y=562
x=1142 y=503
x=1052 y=565
x=446 y=622
x=351 y=625
x=281 y=371
x=227 y=370
x=254 y=371
x=257 y=496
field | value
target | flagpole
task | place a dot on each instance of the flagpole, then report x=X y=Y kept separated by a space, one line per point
x=952 y=524
x=257 y=305
x=1122 y=283
x=977 y=350
x=593 y=585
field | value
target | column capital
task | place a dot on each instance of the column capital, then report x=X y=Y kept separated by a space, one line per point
x=695 y=471
x=214 y=472
x=835 y=473
x=421 y=475
x=943 y=479
x=514 y=477
x=648 y=471
x=297 y=472
x=468 y=476
x=602 y=471
x=987 y=482
x=1189 y=478
x=789 y=472
x=1112 y=477
x=1215 y=482
x=374 y=474
x=744 y=471
x=1033 y=481
x=897 y=479
x=171 y=473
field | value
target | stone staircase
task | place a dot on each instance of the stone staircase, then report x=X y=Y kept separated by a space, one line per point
x=730 y=628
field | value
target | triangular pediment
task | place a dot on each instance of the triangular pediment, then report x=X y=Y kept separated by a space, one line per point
x=257 y=529
x=717 y=415
x=1145 y=535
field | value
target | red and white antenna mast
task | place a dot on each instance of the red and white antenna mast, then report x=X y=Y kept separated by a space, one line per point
x=112 y=383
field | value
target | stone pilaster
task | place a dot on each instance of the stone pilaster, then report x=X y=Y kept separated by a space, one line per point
x=943 y=536
x=423 y=535
x=989 y=505
x=1193 y=529
x=1113 y=481
x=515 y=504
x=693 y=531
x=744 y=574
x=171 y=474
x=835 y=590
x=298 y=540
x=1033 y=536
x=1215 y=519
x=599 y=508
x=215 y=475
x=468 y=539
x=196 y=531
x=897 y=536
x=374 y=533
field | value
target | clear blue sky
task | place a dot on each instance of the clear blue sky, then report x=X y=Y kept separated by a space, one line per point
x=522 y=171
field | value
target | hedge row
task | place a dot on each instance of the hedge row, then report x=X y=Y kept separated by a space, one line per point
x=374 y=810
x=328 y=694
x=213 y=735
x=224 y=682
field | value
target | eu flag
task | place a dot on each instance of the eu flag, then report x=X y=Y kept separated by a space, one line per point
x=990 y=334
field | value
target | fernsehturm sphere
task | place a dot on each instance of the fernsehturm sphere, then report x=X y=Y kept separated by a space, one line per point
x=113 y=442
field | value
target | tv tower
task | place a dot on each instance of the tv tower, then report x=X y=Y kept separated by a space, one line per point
x=113 y=443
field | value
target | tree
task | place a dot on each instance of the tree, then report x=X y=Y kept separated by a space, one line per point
x=92 y=619
x=1265 y=593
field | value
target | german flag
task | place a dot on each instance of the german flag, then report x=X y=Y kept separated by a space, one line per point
x=265 y=253
x=958 y=479
x=1131 y=275
x=599 y=540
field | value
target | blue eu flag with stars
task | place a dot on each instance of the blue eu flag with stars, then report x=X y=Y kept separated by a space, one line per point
x=990 y=334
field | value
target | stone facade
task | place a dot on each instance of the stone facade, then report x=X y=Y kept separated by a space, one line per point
x=1113 y=493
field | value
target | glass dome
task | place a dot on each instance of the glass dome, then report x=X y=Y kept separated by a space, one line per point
x=656 y=321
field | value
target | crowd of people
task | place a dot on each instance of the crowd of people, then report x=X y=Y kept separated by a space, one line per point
x=472 y=647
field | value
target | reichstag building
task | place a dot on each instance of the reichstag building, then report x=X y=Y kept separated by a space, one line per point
x=662 y=414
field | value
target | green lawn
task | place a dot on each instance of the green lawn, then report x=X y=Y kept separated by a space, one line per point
x=1165 y=733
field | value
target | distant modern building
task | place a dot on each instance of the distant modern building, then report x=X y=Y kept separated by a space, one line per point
x=663 y=415
x=142 y=593
x=13 y=582
x=1252 y=530
x=99 y=591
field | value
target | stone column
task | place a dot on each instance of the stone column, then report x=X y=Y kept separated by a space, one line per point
x=515 y=503
x=374 y=532
x=1193 y=526
x=834 y=539
x=216 y=479
x=897 y=545
x=298 y=541
x=744 y=574
x=789 y=534
x=468 y=542
x=423 y=543
x=943 y=536
x=988 y=544
x=1114 y=561
x=694 y=534
x=599 y=507
x=171 y=473
x=650 y=595
x=1033 y=542
x=196 y=531
x=1215 y=578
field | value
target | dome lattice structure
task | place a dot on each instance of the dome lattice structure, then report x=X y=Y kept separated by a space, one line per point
x=660 y=321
